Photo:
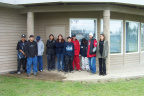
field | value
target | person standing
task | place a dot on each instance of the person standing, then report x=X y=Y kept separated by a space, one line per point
x=51 y=53
x=59 y=52
x=76 y=61
x=68 y=52
x=31 y=53
x=102 y=52
x=21 y=56
x=40 y=46
x=83 y=52
x=91 y=53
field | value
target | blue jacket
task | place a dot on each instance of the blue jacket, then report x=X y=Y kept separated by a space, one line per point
x=59 y=47
x=68 y=49
x=83 y=49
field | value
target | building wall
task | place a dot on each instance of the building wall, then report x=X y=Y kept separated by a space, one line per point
x=12 y=25
x=46 y=19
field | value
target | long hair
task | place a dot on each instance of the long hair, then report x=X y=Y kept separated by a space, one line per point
x=103 y=36
x=51 y=35
x=62 y=40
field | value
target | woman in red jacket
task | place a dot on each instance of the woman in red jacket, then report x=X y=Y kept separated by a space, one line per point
x=76 y=60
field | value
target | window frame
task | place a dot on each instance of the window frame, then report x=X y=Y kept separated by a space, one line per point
x=138 y=36
x=83 y=19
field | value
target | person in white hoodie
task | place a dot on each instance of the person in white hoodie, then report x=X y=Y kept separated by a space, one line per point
x=40 y=47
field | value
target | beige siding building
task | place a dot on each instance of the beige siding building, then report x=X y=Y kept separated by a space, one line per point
x=121 y=22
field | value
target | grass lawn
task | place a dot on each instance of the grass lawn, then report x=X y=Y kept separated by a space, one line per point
x=12 y=86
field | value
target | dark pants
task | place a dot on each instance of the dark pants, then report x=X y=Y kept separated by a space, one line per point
x=68 y=63
x=51 y=61
x=23 y=62
x=102 y=66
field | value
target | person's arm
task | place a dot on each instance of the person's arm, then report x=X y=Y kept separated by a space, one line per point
x=48 y=45
x=73 y=50
x=18 y=46
x=26 y=50
x=64 y=49
x=42 y=47
x=95 y=45
x=36 y=52
x=78 y=47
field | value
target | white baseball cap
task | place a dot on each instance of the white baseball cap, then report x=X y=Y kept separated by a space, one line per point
x=91 y=34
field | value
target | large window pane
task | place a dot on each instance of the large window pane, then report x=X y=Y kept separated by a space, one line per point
x=82 y=28
x=132 y=29
x=142 y=37
x=115 y=35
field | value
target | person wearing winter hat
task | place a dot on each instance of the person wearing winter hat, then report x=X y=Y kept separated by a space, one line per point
x=21 y=56
x=40 y=46
x=91 y=53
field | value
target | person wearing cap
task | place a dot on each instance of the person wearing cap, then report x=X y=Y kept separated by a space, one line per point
x=40 y=46
x=21 y=56
x=31 y=53
x=91 y=53
x=50 y=51
x=76 y=61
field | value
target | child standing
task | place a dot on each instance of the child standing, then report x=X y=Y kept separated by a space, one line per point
x=68 y=52
x=83 y=52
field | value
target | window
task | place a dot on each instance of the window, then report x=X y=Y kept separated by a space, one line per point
x=116 y=32
x=142 y=36
x=82 y=28
x=132 y=29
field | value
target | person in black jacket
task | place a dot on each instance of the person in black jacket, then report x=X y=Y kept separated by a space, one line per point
x=21 y=56
x=83 y=52
x=31 y=53
x=51 y=53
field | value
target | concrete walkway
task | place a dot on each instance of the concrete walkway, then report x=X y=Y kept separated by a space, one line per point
x=117 y=72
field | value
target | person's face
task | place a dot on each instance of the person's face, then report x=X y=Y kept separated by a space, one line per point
x=31 y=38
x=23 y=38
x=60 y=37
x=74 y=38
x=101 y=37
x=69 y=40
x=90 y=36
x=51 y=37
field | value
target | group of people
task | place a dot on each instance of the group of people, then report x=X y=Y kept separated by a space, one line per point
x=30 y=53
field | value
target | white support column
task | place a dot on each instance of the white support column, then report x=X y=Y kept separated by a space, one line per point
x=30 y=24
x=106 y=29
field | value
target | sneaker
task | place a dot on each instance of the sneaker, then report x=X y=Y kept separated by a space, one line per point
x=88 y=70
x=72 y=71
x=92 y=73
x=28 y=75
x=79 y=70
x=18 y=73
x=53 y=69
x=65 y=72
x=41 y=70
x=35 y=74
x=104 y=74
x=49 y=70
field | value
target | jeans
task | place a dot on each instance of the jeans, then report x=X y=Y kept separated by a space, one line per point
x=23 y=62
x=102 y=66
x=92 y=64
x=68 y=63
x=60 y=66
x=51 y=61
x=30 y=61
x=40 y=61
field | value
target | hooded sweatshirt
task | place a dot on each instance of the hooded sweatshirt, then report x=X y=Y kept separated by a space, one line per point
x=76 y=46
x=68 y=49
x=31 y=49
x=40 y=46
x=59 y=47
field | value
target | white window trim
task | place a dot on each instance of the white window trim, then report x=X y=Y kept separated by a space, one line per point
x=138 y=36
x=121 y=37
x=83 y=19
